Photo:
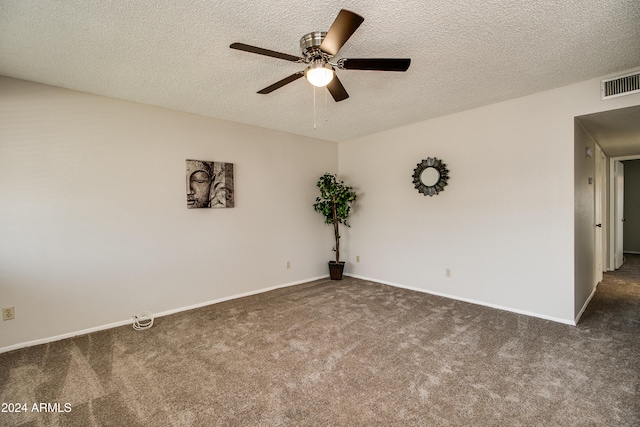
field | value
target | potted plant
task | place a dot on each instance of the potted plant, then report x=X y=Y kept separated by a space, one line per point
x=334 y=203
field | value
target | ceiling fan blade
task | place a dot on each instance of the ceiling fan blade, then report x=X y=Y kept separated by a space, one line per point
x=265 y=52
x=337 y=90
x=281 y=83
x=376 y=64
x=343 y=27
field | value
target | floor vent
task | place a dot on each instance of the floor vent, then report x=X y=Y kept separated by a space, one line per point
x=621 y=85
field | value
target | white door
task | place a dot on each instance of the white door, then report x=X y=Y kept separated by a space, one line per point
x=604 y=210
x=618 y=171
x=598 y=188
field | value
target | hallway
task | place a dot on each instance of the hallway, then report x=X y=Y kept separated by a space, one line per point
x=617 y=299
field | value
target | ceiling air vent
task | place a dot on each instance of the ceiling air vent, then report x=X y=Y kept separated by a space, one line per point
x=621 y=85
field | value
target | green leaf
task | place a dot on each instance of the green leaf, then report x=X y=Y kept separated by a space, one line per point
x=335 y=198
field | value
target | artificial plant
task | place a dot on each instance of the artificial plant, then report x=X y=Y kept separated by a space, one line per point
x=334 y=203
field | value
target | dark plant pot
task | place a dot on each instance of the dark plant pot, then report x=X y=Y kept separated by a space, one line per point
x=335 y=270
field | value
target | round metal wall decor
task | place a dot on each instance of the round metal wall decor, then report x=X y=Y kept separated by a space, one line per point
x=430 y=176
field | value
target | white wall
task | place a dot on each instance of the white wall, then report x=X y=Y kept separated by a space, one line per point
x=505 y=223
x=94 y=225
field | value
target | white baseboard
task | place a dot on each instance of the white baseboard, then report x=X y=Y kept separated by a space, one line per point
x=155 y=315
x=259 y=291
x=471 y=301
x=584 y=306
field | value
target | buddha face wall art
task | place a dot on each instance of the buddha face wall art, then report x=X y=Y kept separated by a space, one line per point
x=209 y=184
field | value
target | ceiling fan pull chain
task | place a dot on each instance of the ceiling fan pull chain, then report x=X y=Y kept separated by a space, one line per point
x=326 y=106
x=314 y=107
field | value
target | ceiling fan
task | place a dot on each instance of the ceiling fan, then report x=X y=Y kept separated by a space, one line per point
x=318 y=49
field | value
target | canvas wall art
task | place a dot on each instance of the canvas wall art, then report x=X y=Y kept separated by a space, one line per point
x=209 y=184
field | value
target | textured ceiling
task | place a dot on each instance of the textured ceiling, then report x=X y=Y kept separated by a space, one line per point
x=176 y=54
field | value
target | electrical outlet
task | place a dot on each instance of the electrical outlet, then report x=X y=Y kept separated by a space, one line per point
x=288 y=264
x=357 y=258
x=447 y=272
x=8 y=313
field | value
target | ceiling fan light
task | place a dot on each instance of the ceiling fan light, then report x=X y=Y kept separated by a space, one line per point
x=319 y=74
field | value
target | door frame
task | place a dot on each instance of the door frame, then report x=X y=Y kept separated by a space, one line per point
x=599 y=211
x=613 y=200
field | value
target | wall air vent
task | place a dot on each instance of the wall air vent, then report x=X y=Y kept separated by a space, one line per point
x=621 y=85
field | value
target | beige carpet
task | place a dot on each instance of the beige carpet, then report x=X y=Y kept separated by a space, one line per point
x=343 y=353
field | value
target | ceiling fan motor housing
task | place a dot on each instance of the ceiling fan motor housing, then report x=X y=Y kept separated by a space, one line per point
x=310 y=45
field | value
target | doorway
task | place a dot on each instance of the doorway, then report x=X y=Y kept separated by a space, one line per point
x=618 y=221
x=617 y=133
